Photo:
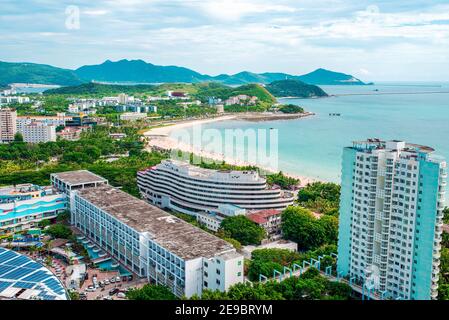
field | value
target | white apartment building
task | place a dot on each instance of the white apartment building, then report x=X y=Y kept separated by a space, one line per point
x=148 y=241
x=38 y=132
x=8 y=125
x=213 y=220
x=132 y=116
x=14 y=99
x=391 y=218
x=58 y=120
x=189 y=189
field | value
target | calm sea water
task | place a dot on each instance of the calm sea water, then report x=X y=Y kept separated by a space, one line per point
x=313 y=146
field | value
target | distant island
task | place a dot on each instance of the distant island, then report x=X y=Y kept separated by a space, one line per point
x=139 y=71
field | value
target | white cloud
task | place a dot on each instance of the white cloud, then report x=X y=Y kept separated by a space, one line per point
x=95 y=12
x=234 y=10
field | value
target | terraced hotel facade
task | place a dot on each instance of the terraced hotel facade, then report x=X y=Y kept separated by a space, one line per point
x=189 y=189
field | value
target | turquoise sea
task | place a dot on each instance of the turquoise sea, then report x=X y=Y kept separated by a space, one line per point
x=313 y=146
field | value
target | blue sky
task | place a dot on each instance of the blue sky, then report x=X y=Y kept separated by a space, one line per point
x=373 y=40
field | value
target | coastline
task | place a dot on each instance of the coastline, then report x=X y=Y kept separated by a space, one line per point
x=159 y=139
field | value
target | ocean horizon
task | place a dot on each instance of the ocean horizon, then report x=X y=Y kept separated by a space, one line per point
x=313 y=146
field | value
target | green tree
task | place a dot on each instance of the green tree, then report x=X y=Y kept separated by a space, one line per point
x=44 y=223
x=243 y=230
x=18 y=137
x=321 y=197
x=151 y=292
x=59 y=231
x=300 y=226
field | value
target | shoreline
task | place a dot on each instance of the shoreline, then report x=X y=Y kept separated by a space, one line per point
x=159 y=139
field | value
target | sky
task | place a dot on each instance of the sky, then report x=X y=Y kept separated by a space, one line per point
x=400 y=40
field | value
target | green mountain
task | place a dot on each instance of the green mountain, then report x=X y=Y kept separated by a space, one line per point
x=201 y=91
x=326 y=77
x=36 y=73
x=138 y=71
x=294 y=88
x=93 y=88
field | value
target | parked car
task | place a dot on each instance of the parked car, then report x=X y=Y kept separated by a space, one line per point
x=121 y=295
x=117 y=279
x=113 y=291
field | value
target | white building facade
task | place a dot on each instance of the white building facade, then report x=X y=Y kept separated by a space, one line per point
x=189 y=189
x=38 y=132
x=391 y=218
x=148 y=241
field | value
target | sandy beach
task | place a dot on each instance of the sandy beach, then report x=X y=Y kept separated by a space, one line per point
x=159 y=138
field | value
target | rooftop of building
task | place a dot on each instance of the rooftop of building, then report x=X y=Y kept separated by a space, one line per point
x=23 y=278
x=181 y=238
x=202 y=173
x=262 y=216
x=391 y=145
x=21 y=189
x=78 y=177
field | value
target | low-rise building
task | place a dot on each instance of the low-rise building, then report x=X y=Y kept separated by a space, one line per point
x=14 y=99
x=132 y=116
x=270 y=220
x=213 y=220
x=71 y=133
x=23 y=206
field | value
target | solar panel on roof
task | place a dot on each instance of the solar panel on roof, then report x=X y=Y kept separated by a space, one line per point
x=33 y=265
x=24 y=285
x=4 y=285
x=5 y=269
x=38 y=276
x=25 y=273
x=18 y=273
x=18 y=261
x=7 y=256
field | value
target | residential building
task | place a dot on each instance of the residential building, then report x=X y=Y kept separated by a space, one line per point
x=241 y=99
x=58 y=120
x=148 y=241
x=185 y=188
x=270 y=220
x=123 y=98
x=390 y=225
x=220 y=108
x=23 y=206
x=81 y=121
x=38 y=132
x=8 y=125
x=132 y=116
x=71 y=133
x=14 y=99
x=212 y=220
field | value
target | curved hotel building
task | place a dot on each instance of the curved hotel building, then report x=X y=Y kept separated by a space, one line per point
x=189 y=189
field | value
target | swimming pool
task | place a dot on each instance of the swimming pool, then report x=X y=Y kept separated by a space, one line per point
x=107 y=264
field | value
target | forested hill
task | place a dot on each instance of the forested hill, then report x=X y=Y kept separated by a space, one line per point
x=295 y=88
